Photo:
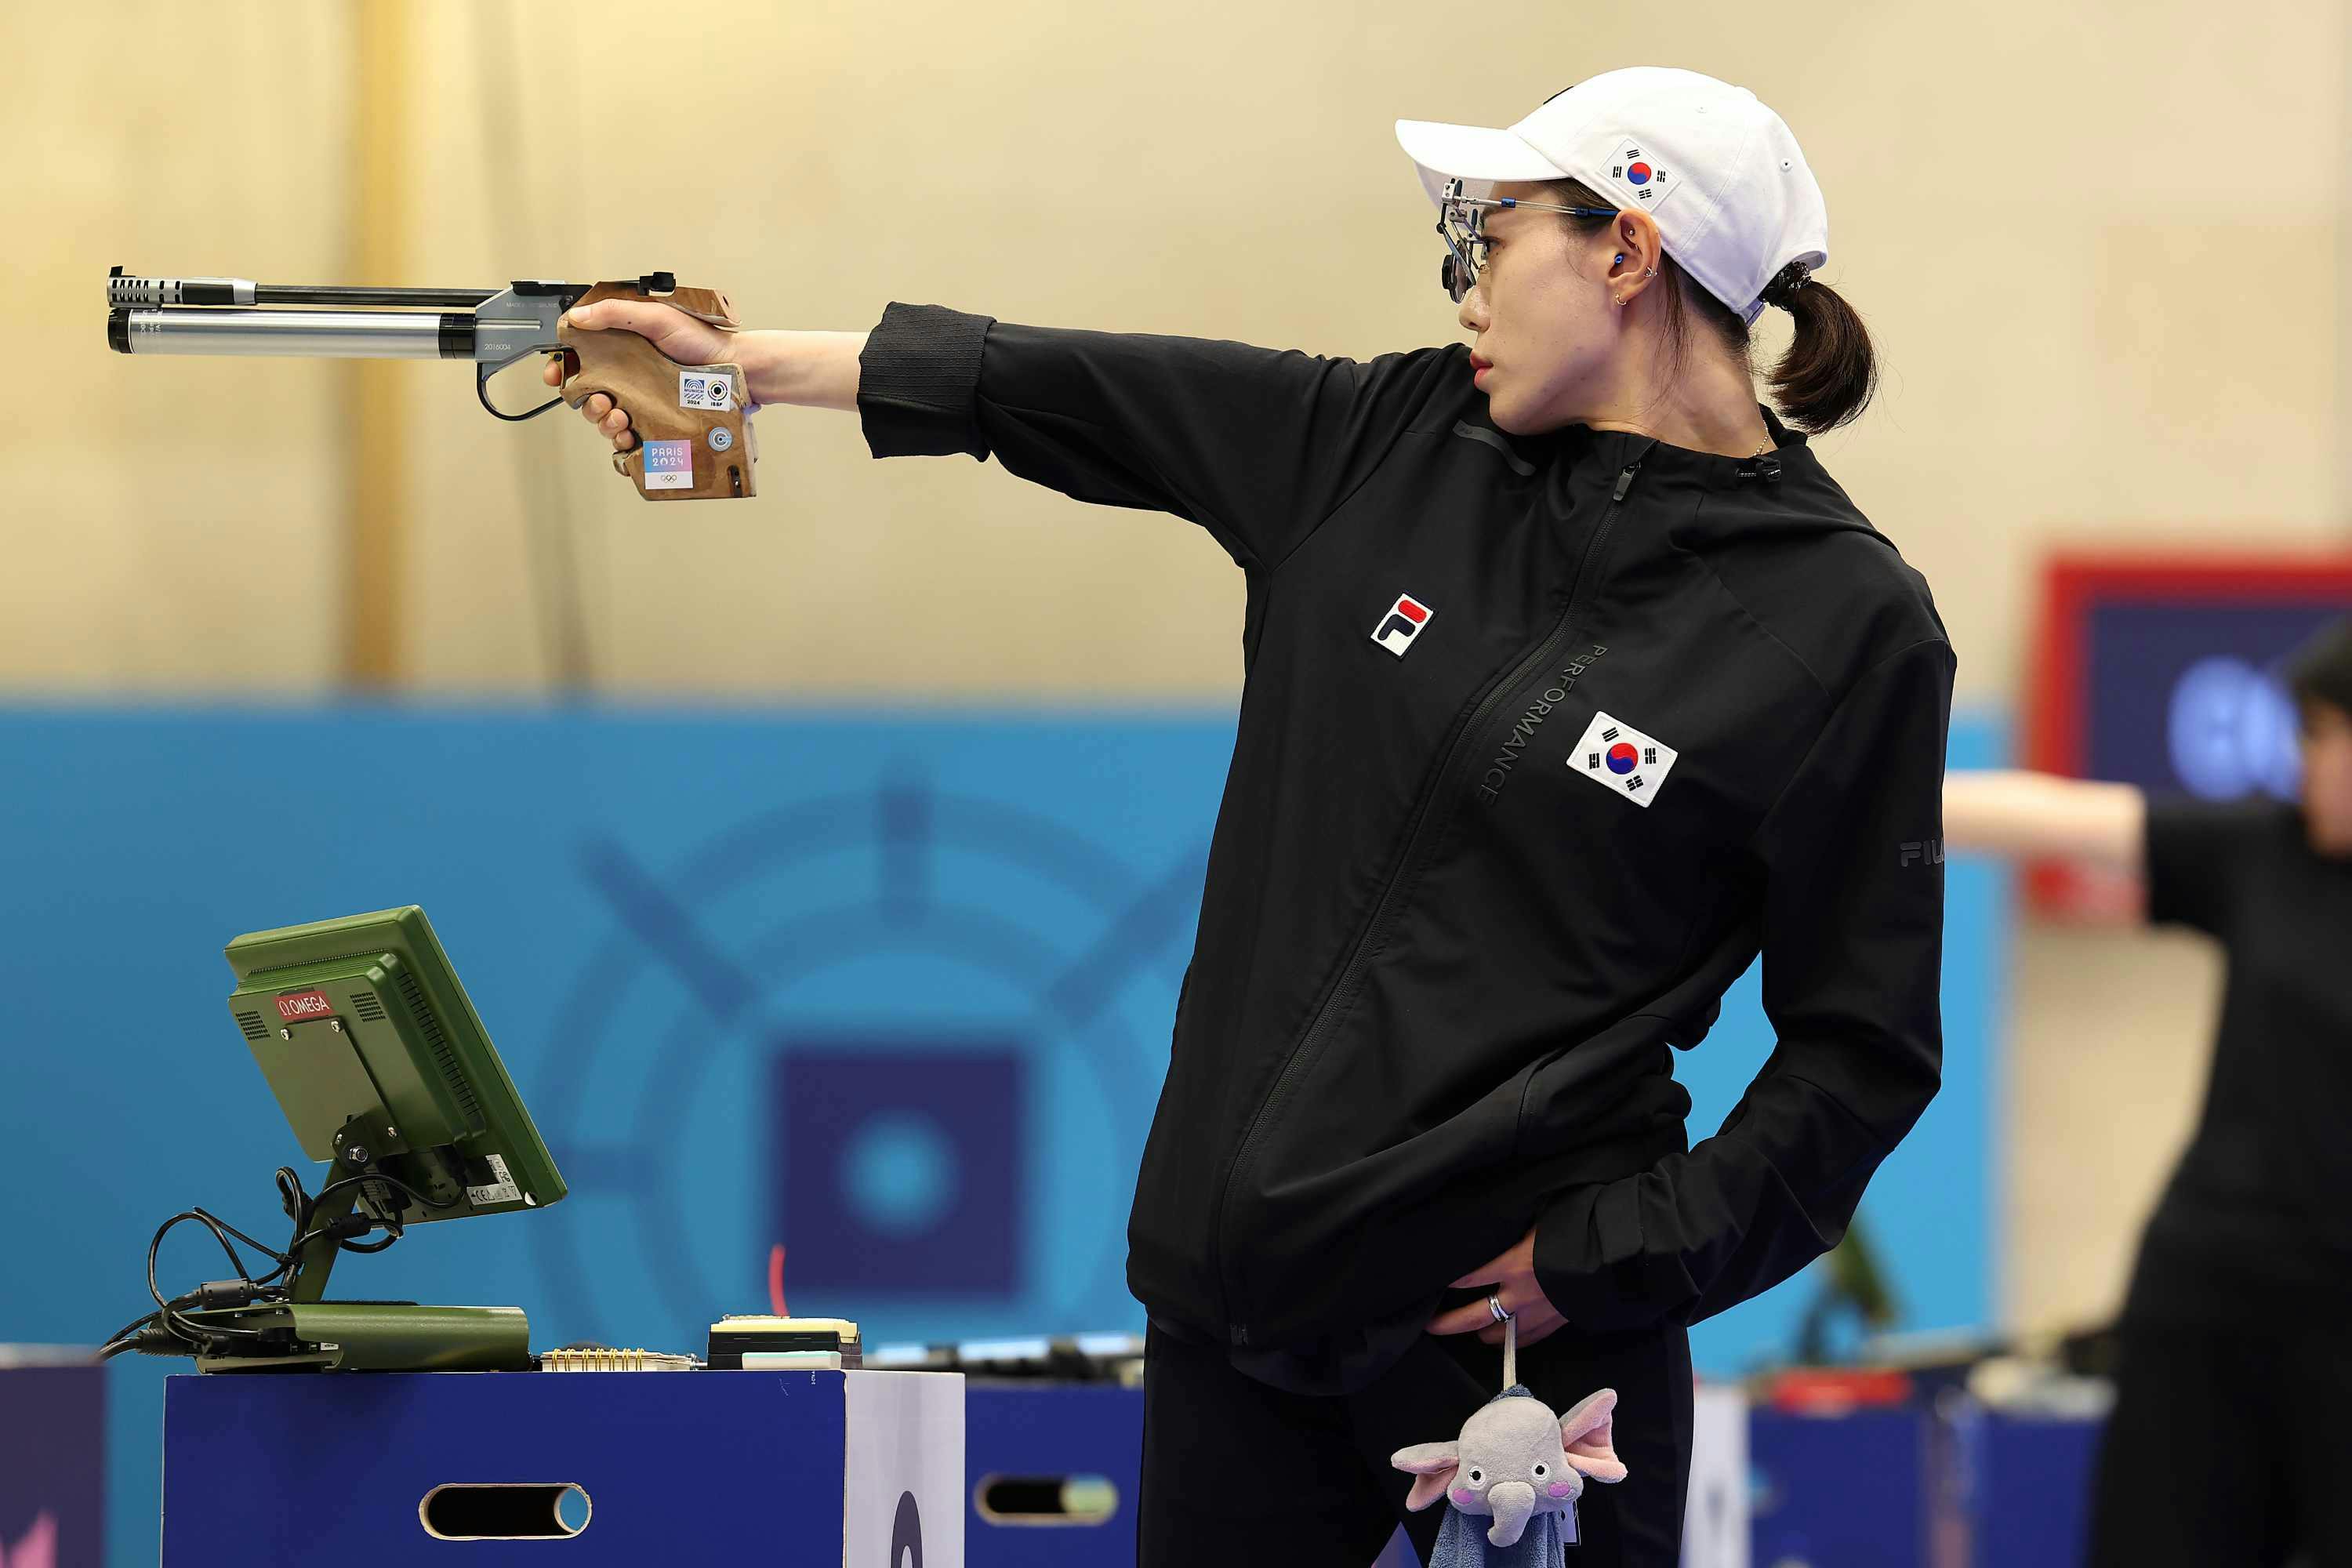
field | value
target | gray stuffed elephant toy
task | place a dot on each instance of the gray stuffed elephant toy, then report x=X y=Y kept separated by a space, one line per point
x=1518 y=1463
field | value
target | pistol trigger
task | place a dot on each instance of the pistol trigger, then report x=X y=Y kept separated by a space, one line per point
x=621 y=464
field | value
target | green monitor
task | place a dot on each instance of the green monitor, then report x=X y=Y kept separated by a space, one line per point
x=383 y=1067
x=384 y=1071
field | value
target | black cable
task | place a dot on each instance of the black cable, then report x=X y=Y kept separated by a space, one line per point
x=405 y=1190
x=153 y=1340
x=155 y=1246
x=297 y=1204
x=168 y=1330
x=338 y=1229
x=291 y=1196
x=167 y=1311
x=193 y=1299
x=202 y=1218
x=220 y=1225
x=349 y=1242
x=127 y=1330
x=243 y=1285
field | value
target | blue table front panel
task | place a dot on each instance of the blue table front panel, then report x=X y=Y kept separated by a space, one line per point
x=1047 y=1429
x=262 y=1470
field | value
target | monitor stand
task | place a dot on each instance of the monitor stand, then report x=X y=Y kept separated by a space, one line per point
x=306 y=1334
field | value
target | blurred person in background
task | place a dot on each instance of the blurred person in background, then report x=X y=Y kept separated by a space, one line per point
x=2234 y=1392
x=1572 y=680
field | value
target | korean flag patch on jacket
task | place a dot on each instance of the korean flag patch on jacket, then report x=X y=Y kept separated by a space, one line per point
x=1615 y=754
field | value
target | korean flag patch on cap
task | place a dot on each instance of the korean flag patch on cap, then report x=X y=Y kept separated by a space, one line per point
x=1621 y=759
x=1640 y=176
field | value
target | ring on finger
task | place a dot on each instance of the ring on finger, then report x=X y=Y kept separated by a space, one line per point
x=1494 y=1305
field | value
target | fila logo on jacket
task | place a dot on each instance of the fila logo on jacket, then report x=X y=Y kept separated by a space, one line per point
x=1405 y=622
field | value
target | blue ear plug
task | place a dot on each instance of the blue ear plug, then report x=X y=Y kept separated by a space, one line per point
x=1620 y=255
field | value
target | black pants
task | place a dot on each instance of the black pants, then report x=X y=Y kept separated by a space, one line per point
x=1239 y=1474
x=2228 y=1445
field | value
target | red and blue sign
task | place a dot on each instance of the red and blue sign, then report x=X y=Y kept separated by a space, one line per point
x=1638 y=174
x=2167 y=672
x=1621 y=758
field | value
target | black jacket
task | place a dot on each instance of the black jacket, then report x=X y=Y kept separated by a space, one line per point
x=1451 y=926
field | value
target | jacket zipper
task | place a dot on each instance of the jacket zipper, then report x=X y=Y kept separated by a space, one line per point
x=1419 y=837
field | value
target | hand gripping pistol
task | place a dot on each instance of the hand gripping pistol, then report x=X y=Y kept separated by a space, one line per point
x=694 y=439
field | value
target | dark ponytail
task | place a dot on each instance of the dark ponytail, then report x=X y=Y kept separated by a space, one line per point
x=1830 y=372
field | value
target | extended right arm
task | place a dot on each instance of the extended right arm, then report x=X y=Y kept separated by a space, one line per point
x=813 y=370
x=1257 y=446
x=2035 y=815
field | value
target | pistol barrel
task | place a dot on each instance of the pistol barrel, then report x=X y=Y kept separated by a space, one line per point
x=313 y=334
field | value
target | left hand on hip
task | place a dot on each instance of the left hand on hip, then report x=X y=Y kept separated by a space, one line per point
x=1511 y=1277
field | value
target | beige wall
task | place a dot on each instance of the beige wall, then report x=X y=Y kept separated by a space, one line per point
x=172 y=531
x=2101 y=248
x=2098 y=245
x=2109 y=1039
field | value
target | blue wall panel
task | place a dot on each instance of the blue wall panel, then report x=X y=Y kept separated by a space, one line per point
x=675 y=927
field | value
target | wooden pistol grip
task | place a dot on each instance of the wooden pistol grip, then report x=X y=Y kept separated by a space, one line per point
x=693 y=440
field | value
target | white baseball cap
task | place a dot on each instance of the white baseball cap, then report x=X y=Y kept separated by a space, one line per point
x=1720 y=173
